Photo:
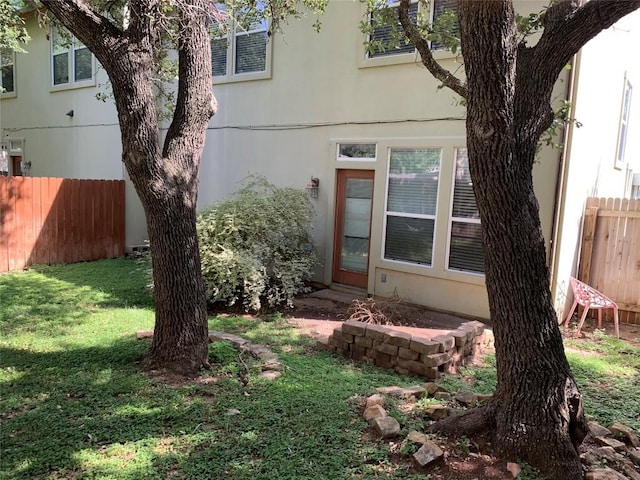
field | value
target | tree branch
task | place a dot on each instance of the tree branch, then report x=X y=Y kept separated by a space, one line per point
x=84 y=22
x=143 y=15
x=569 y=26
x=195 y=102
x=422 y=45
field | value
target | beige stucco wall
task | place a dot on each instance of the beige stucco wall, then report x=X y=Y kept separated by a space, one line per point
x=321 y=81
x=600 y=69
x=86 y=145
x=321 y=92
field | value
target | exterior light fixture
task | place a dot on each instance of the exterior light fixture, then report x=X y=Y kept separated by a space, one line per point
x=313 y=187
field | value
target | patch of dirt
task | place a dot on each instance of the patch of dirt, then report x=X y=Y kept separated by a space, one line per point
x=629 y=333
x=318 y=308
x=373 y=310
x=463 y=459
x=397 y=312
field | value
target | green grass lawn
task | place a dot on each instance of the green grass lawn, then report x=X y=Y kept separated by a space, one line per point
x=74 y=403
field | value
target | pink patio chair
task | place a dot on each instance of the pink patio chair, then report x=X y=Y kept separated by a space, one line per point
x=589 y=297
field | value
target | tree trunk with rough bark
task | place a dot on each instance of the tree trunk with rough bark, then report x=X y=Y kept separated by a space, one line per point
x=536 y=413
x=537 y=408
x=165 y=178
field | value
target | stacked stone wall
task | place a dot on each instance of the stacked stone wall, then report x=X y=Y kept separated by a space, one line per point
x=387 y=348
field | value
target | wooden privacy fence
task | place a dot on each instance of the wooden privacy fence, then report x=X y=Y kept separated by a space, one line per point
x=55 y=220
x=610 y=255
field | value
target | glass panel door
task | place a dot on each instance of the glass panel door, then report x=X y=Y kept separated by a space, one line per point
x=354 y=201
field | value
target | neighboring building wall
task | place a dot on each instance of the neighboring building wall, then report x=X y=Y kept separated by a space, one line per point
x=591 y=170
x=86 y=145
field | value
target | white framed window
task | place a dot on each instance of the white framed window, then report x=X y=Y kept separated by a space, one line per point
x=465 y=237
x=411 y=204
x=7 y=73
x=623 y=128
x=241 y=50
x=381 y=53
x=72 y=64
x=382 y=35
x=359 y=152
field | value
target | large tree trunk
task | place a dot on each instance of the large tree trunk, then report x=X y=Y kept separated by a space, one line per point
x=536 y=413
x=167 y=184
x=180 y=340
x=166 y=179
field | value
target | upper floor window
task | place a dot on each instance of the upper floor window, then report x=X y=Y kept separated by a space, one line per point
x=239 y=49
x=381 y=40
x=624 y=124
x=7 y=72
x=71 y=62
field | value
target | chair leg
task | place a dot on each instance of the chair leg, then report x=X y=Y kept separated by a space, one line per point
x=573 y=307
x=584 y=315
x=615 y=320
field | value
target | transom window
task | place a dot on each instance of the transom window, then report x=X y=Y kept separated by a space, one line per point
x=7 y=72
x=465 y=236
x=412 y=193
x=357 y=151
x=240 y=48
x=71 y=61
x=381 y=43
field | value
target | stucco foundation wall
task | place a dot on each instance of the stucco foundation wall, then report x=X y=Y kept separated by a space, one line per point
x=387 y=348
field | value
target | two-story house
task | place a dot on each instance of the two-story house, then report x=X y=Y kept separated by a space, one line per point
x=384 y=146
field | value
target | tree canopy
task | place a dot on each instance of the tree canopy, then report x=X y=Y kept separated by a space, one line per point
x=13 y=33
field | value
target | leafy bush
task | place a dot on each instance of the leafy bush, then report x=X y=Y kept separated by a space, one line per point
x=256 y=248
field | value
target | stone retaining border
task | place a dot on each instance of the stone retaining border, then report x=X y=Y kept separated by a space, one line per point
x=271 y=366
x=387 y=348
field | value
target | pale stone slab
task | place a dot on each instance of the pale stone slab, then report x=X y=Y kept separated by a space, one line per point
x=417 y=437
x=375 y=399
x=427 y=453
x=604 y=474
x=374 y=412
x=624 y=433
x=468 y=399
x=387 y=426
x=617 y=445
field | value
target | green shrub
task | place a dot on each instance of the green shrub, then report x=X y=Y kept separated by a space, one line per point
x=256 y=248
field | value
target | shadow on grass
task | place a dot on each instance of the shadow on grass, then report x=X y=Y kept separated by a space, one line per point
x=121 y=282
x=55 y=405
x=277 y=334
x=90 y=413
x=48 y=300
